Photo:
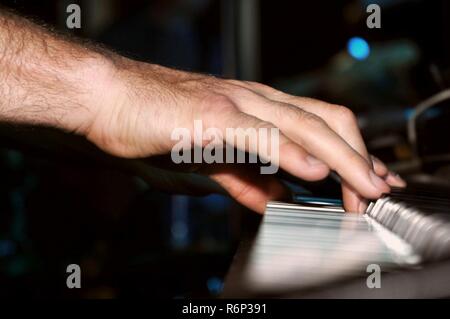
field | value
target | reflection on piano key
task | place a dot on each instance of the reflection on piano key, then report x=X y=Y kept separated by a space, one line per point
x=420 y=217
x=301 y=246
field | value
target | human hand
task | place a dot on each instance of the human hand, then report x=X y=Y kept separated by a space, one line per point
x=141 y=104
x=130 y=109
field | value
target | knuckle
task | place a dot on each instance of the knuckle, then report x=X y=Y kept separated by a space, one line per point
x=217 y=102
x=215 y=108
x=243 y=93
x=233 y=82
x=235 y=86
x=310 y=119
x=345 y=115
x=258 y=85
x=267 y=89
x=238 y=89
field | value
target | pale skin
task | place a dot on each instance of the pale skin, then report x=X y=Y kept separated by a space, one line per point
x=129 y=109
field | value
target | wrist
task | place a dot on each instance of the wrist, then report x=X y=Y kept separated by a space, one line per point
x=108 y=86
x=100 y=88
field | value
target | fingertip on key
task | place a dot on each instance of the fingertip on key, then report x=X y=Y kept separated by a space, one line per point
x=378 y=182
x=362 y=207
x=395 y=179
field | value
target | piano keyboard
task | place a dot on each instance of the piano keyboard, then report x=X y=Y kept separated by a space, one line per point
x=301 y=246
x=420 y=217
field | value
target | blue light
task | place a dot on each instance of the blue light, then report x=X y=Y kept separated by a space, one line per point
x=7 y=248
x=358 y=48
x=215 y=285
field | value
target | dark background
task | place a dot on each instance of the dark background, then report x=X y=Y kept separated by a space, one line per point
x=59 y=205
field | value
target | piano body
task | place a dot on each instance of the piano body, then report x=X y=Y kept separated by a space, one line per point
x=312 y=249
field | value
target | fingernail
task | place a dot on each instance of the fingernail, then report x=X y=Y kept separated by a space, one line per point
x=312 y=161
x=374 y=159
x=377 y=182
x=362 y=206
x=400 y=181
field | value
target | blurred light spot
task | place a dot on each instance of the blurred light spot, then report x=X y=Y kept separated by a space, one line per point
x=358 y=48
x=7 y=248
x=179 y=231
x=215 y=285
x=409 y=112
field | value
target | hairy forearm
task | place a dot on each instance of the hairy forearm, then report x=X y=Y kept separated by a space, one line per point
x=46 y=79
